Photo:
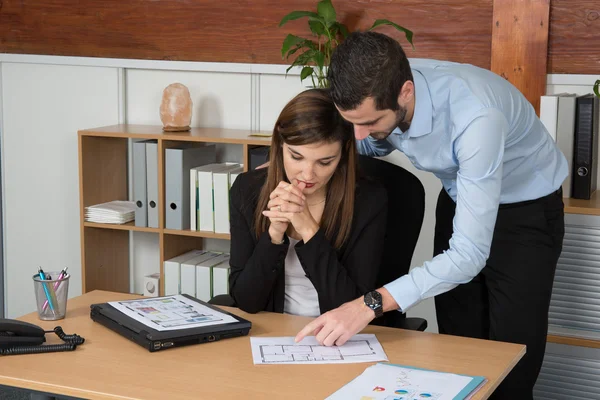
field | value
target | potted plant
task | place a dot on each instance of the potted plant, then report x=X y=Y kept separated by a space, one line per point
x=315 y=54
x=597 y=88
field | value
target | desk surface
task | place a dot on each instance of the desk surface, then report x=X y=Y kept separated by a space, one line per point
x=108 y=366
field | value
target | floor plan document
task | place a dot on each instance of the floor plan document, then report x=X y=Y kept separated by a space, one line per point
x=283 y=350
x=171 y=313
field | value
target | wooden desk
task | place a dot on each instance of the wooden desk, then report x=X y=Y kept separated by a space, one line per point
x=108 y=366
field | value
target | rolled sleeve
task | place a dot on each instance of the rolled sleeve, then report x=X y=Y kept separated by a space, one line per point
x=479 y=150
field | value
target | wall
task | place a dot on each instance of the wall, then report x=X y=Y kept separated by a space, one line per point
x=43 y=107
x=247 y=32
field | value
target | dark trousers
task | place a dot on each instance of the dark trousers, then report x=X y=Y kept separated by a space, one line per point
x=508 y=301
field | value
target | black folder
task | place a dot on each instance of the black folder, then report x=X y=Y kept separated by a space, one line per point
x=155 y=340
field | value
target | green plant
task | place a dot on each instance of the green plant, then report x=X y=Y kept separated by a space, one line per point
x=316 y=54
x=597 y=88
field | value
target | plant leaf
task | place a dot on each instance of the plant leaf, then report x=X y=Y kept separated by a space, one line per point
x=292 y=51
x=290 y=41
x=316 y=27
x=343 y=29
x=326 y=11
x=297 y=14
x=306 y=44
x=305 y=73
x=597 y=88
x=319 y=58
x=408 y=33
x=305 y=57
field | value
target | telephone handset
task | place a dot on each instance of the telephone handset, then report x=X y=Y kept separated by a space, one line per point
x=18 y=337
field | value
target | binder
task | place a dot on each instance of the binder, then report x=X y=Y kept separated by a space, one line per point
x=549 y=113
x=139 y=183
x=188 y=273
x=152 y=182
x=205 y=212
x=204 y=276
x=178 y=162
x=173 y=271
x=220 y=278
x=565 y=134
x=585 y=148
x=221 y=187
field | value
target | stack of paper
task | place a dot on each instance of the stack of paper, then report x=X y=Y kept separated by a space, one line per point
x=113 y=212
x=391 y=381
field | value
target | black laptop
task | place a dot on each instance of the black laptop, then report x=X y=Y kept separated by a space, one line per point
x=158 y=323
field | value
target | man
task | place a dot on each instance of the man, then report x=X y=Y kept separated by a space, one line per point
x=499 y=217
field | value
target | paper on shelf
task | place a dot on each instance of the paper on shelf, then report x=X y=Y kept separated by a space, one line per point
x=112 y=212
x=171 y=313
x=283 y=350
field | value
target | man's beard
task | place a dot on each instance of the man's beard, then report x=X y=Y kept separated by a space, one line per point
x=400 y=123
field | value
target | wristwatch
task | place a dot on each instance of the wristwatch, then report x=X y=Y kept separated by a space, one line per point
x=374 y=301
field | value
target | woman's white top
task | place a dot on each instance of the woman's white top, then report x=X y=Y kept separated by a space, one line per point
x=300 y=295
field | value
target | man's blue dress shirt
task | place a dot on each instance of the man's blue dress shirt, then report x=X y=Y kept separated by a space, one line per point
x=479 y=135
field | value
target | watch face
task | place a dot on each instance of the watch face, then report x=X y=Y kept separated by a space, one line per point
x=373 y=298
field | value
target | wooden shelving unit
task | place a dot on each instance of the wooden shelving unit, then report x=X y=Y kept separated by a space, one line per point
x=103 y=177
x=587 y=207
x=103 y=171
x=584 y=207
x=573 y=341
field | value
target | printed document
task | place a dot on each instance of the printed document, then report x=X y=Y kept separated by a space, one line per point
x=390 y=381
x=171 y=313
x=283 y=350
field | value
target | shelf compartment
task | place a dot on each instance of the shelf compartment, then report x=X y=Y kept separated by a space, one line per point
x=586 y=207
x=106 y=260
x=199 y=234
x=129 y=226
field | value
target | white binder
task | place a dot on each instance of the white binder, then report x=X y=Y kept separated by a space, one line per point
x=221 y=187
x=173 y=271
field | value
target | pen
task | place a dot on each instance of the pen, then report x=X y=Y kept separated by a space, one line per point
x=62 y=274
x=50 y=303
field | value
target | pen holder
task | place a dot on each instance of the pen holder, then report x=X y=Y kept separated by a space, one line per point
x=51 y=295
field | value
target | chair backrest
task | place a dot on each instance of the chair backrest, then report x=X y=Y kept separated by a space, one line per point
x=406 y=199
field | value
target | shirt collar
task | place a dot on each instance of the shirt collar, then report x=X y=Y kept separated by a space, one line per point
x=422 y=121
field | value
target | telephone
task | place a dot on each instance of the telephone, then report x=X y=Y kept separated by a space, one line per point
x=18 y=337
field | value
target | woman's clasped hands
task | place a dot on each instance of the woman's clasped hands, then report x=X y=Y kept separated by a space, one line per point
x=287 y=205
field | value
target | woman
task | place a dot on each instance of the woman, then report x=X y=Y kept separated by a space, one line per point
x=306 y=234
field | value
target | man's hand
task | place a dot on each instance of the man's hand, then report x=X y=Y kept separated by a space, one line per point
x=335 y=327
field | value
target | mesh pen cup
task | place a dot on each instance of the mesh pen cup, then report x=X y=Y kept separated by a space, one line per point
x=51 y=295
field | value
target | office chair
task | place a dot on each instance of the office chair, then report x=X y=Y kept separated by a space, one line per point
x=406 y=209
x=406 y=199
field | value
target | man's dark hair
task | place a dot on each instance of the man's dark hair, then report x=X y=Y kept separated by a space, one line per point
x=368 y=64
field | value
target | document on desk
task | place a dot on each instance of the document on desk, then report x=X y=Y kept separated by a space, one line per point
x=171 y=313
x=283 y=350
x=398 y=382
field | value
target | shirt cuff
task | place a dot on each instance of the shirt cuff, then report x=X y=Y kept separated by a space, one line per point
x=405 y=292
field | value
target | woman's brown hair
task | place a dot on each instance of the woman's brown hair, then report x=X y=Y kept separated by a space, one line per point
x=311 y=117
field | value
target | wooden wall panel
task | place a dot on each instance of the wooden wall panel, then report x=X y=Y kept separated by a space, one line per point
x=520 y=45
x=574 y=43
x=230 y=30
